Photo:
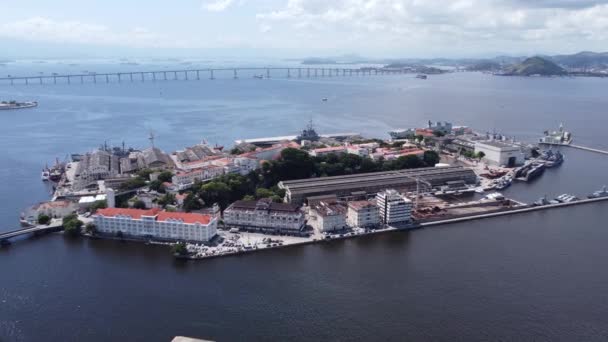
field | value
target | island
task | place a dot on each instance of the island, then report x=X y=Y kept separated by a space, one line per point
x=535 y=66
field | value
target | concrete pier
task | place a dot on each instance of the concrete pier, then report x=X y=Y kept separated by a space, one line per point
x=595 y=150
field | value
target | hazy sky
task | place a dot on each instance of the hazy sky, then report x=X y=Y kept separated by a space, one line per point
x=381 y=28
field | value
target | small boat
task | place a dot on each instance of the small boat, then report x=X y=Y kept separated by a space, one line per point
x=324 y=99
x=600 y=193
x=4 y=105
x=258 y=76
x=541 y=201
x=421 y=76
x=504 y=183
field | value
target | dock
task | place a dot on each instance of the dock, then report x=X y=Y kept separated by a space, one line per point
x=595 y=150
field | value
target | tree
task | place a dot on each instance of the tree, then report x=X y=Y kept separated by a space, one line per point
x=43 y=219
x=167 y=199
x=90 y=228
x=165 y=176
x=145 y=173
x=248 y=198
x=431 y=158
x=480 y=155
x=133 y=183
x=215 y=191
x=191 y=202
x=276 y=198
x=120 y=234
x=157 y=186
x=419 y=138
x=263 y=193
x=102 y=204
x=139 y=204
x=438 y=133
x=73 y=227
x=179 y=249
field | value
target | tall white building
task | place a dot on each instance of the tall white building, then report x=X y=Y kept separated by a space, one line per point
x=362 y=214
x=328 y=217
x=393 y=207
x=155 y=223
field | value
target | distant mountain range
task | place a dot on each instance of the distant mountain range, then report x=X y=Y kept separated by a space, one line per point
x=585 y=61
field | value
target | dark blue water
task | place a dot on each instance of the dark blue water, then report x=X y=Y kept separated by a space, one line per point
x=532 y=277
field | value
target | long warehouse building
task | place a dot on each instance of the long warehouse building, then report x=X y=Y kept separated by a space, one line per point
x=297 y=191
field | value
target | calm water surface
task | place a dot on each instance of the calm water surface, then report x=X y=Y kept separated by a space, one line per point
x=533 y=277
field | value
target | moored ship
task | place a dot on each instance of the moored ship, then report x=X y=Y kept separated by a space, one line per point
x=402 y=133
x=600 y=193
x=551 y=159
x=8 y=105
x=530 y=171
x=559 y=137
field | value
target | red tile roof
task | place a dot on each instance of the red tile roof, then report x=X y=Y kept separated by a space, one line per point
x=185 y=217
x=136 y=214
x=133 y=213
x=358 y=205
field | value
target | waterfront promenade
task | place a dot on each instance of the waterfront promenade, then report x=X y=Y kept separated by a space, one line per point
x=214 y=252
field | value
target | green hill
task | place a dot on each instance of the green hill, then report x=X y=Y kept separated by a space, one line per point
x=535 y=66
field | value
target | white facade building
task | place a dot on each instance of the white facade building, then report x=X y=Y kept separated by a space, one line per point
x=393 y=207
x=500 y=153
x=156 y=223
x=266 y=216
x=328 y=150
x=328 y=217
x=185 y=179
x=362 y=214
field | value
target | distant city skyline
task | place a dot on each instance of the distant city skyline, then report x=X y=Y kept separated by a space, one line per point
x=302 y=28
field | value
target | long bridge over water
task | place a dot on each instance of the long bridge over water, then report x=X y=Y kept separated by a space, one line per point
x=5 y=236
x=196 y=74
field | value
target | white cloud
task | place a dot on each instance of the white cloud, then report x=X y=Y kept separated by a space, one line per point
x=47 y=30
x=387 y=24
x=216 y=5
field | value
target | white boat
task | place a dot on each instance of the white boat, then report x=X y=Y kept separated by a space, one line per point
x=600 y=193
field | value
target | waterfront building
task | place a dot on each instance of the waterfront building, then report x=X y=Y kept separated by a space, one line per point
x=318 y=152
x=393 y=207
x=394 y=153
x=500 y=153
x=196 y=153
x=362 y=214
x=440 y=127
x=347 y=186
x=53 y=209
x=362 y=150
x=85 y=202
x=95 y=166
x=185 y=179
x=270 y=153
x=461 y=146
x=265 y=216
x=154 y=158
x=154 y=223
x=328 y=217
